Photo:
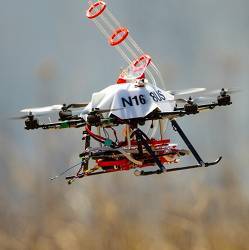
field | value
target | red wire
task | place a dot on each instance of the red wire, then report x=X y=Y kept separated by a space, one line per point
x=96 y=137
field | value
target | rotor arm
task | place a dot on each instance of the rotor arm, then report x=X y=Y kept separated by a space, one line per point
x=193 y=109
x=31 y=125
x=208 y=106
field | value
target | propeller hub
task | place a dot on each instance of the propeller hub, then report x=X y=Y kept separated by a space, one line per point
x=94 y=119
x=31 y=122
x=190 y=100
x=191 y=107
x=223 y=92
x=65 y=114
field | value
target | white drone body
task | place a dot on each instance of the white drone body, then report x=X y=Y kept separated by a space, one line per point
x=129 y=100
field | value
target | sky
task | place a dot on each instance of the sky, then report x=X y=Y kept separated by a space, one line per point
x=50 y=53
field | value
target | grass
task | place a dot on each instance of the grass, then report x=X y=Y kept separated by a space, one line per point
x=125 y=212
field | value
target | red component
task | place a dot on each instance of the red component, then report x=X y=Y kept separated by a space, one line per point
x=97 y=137
x=138 y=67
x=118 y=36
x=159 y=142
x=124 y=163
x=141 y=63
x=141 y=77
x=99 y=7
x=121 y=80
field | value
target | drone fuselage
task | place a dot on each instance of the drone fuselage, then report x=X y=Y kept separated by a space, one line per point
x=131 y=101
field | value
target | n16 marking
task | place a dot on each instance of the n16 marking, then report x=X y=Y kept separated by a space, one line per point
x=157 y=96
x=131 y=101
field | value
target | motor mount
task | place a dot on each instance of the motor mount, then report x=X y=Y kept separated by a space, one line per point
x=31 y=122
x=190 y=107
x=65 y=115
x=94 y=119
x=224 y=99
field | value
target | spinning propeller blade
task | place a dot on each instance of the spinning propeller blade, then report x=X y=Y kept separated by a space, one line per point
x=43 y=110
x=77 y=105
x=53 y=108
x=199 y=99
x=29 y=115
x=186 y=91
x=223 y=90
x=19 y=117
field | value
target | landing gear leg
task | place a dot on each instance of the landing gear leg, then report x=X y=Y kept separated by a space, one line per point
x=85 y=161
x=201 y=163
x=142 y=140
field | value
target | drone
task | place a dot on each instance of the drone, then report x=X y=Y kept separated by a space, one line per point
x=113 y=122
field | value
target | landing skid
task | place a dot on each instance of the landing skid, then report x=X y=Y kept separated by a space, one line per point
x=70 y=179
x=207 y=164
x=200 y=164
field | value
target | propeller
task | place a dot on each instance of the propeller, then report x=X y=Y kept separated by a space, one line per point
x=75 y=105
x=40 y=111
x=58 y=107
x=43 y=110
x=49 y=109
x=186 y=91
x=202 y=99
x=30 y=115
x=199 y=99
x=223 y=91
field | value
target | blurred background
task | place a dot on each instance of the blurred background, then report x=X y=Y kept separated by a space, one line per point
x=51 y=53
